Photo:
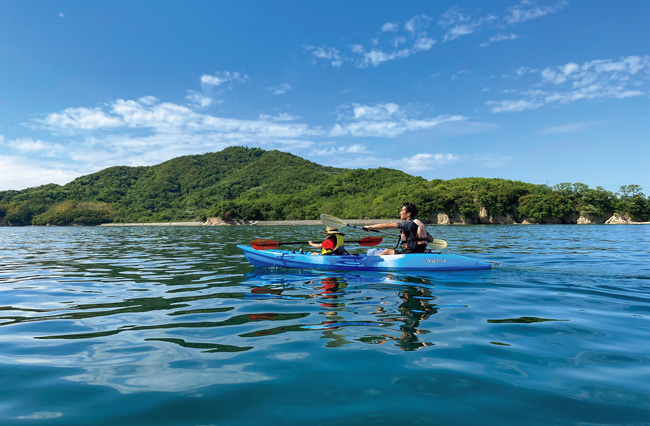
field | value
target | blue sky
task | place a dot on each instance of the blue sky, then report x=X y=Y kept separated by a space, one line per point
x=539 y=91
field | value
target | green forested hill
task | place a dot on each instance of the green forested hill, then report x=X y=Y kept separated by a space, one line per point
x=253 y=184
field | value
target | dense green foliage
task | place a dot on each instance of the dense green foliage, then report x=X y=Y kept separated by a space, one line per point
x=75 y=213
x=253 y=184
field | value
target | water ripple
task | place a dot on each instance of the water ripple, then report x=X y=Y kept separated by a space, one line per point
x=561 y=320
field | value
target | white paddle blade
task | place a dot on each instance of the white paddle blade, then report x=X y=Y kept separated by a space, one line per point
x=438 y=244
x=331 y=221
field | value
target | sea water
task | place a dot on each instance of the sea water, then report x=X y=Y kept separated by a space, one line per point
x=172 y=326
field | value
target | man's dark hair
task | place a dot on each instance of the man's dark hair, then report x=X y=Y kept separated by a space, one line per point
x=410 y=208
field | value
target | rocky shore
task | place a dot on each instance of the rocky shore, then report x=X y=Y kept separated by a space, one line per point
x=217 y=221
x=440 y=219
x=485 y=219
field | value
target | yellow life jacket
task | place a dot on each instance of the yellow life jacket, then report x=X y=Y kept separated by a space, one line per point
x=338 y=248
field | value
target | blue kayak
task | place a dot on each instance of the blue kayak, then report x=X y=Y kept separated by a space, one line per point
x=362 y=262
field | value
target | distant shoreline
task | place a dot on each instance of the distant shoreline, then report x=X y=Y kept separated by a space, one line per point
x=303 y=222
x=251 y=223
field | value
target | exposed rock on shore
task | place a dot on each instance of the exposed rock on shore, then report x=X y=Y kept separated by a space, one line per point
x=217 y=221
x=618 y=219
x=485 y=219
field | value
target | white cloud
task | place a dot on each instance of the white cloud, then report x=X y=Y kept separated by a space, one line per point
x=417 y=163
x=27 y=145
x=459 y=73
x=280 y=117
x=458 y=24
x=61 y=15
x=417 y=24
x=423 y=44
x=425 y=162
x=390 y=27
x=385 y=120
x=378 y=50
x=528 y=10
x=19 y=172
x=338 y=150
x=398 y=41
x=375 y=113
x=571 y=82
x=280 y=90
x=500 y=37
x=328 y=53
x=389 y=46
x=198 y=99
x=569 y=127
x=513 y=106
x=79 y=119
x=222 y=77
x=161 y=117
x=376 y=57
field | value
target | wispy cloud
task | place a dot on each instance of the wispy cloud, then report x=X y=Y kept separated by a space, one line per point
x=339 y=150
x=575 y=127
x=280 y=90
x=19 y=172
x=360 y=156
x=417 y=25
x=390 y=27
x=571 y=82
x=392 y=44
x=528 y=10
x=220 y=78
x=330 y=54
x=198 y=99
x=385 y=120
x=498 y=38
x=425 y=162
x=28 y=145
x=458 y=23
x=280 y=117
x=398 y=41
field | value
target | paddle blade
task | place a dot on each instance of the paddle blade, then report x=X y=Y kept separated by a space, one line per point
x=438 y=244
x=260 y=244
x=370 y=241
x=331 y=221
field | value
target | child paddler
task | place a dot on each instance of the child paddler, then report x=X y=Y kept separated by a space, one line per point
x=333 y=244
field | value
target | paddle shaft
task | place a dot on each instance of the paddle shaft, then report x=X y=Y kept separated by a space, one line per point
x=307 y=242
x=372 y=230
x=263 y=243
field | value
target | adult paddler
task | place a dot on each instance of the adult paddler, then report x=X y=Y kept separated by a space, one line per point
x=413 y=233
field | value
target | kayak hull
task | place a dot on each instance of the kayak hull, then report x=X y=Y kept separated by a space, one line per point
x=362 y=262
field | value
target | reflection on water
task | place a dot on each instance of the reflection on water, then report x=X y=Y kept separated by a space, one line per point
x=348 y=316
x=179 y=311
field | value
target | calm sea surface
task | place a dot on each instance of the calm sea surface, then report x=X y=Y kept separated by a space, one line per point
x=172 y=326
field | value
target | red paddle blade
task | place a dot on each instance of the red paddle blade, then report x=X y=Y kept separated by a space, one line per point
x=370 y=241
x=260 y=244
